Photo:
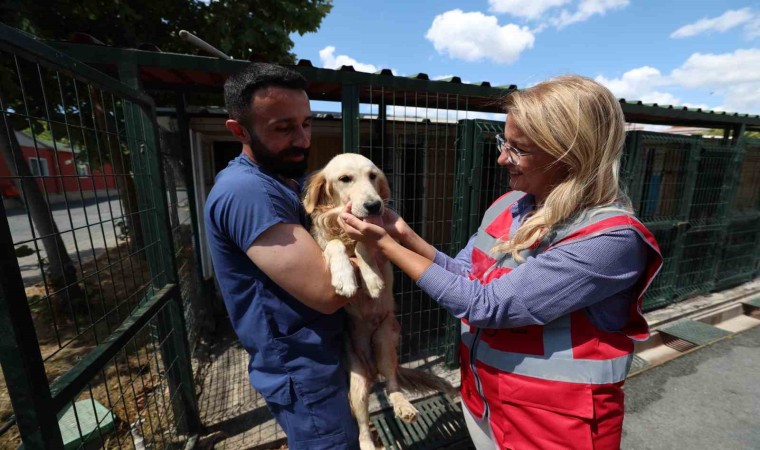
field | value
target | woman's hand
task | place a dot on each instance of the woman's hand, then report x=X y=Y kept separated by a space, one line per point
x=396 y=226
x=359 y=230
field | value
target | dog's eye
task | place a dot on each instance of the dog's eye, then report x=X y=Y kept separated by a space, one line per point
x=372 y=176
x=345 y=179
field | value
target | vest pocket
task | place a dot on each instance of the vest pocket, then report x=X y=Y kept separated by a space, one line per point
x=542 y=414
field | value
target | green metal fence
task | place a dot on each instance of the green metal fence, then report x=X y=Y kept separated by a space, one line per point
x=413 y=138
x=93 y=348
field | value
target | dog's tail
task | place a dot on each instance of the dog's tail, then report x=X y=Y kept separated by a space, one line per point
x=420 y=381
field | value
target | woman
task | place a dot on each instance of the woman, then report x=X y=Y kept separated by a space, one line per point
x=549 y=288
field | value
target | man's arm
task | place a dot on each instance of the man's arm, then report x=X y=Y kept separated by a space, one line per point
x=288 y=255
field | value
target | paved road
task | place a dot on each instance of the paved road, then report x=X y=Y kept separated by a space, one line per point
x=708 y=399
x=87 y=228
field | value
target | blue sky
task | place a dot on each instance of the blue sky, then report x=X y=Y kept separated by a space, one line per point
x=698 y=53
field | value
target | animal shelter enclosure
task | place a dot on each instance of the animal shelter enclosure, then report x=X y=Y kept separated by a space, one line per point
x=112 y=330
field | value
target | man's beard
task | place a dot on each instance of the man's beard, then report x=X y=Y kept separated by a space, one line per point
x=279 y=163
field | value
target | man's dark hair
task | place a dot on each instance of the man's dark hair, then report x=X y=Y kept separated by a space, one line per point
x=240 y=86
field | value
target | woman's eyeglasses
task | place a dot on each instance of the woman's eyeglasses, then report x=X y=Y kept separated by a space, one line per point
x=513 y=153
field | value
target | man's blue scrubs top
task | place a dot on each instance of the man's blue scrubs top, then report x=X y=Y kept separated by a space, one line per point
x=291 y=345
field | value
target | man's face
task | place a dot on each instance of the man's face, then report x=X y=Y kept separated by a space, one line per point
x=280 y=130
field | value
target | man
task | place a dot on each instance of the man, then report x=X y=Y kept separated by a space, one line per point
x=272 y=275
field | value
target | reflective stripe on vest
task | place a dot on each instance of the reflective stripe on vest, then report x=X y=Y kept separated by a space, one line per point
x=558 y=363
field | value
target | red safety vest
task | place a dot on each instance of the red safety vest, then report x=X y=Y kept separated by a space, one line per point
x=556 y=385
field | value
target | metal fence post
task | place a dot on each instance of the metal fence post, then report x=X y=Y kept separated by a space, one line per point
x=350 y=110
x=177 y=345
x=20 y=354
x=151 y=191
x=460 y=221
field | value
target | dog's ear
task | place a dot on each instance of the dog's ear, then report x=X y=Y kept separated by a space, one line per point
x=316 y=192
x=383 y=189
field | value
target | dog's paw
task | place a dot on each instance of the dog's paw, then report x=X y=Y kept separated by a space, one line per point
x=374 y=284
x=365 y=444
x=402 y=408
x=344 y=284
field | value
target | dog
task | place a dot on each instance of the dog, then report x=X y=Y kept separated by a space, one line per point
x=373 y=331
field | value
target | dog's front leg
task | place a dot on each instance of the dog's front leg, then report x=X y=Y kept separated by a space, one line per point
x=371 y=274
x=341 y=270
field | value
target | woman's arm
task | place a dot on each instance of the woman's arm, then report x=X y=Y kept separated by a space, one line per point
x=555 y=283
x=544 y=288
x=399 y=230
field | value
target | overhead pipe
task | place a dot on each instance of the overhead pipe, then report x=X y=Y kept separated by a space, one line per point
x=203 y=45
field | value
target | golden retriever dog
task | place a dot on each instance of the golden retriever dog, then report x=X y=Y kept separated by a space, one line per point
x=373 y=331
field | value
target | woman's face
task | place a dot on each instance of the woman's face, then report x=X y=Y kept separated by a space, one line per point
x=536 y=172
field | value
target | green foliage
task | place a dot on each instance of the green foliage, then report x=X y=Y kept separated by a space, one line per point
x=258 y=29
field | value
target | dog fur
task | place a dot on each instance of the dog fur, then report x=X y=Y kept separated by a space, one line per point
x=373 y=331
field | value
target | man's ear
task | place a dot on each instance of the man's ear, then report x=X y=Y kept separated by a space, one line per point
x=237 y=130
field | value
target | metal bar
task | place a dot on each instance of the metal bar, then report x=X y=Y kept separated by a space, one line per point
x=177 y=346
x=68 y=386
x=350 y=111
x=20 y=355
x=109 y=55
x=17 y=42
x=201 y=44
x=460 y=222
x=634 y=112
x=151 y=191
x=727 y=194
x=183 y=125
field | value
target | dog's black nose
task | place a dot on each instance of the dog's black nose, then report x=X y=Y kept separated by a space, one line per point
x=373 y=207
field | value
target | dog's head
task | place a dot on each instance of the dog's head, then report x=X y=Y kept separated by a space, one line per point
x=348 y=177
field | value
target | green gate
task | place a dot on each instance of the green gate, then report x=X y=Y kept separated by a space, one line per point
x=93 y=344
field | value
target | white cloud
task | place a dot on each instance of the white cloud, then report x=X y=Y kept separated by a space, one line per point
x=587 y=9
x=703 y=70
x=634 y=83
x=732 y=77
x=473 y=36
x=527 y=9
x=728 y=20
x=330 y=61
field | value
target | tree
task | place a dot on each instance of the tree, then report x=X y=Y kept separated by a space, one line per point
x=258 y=29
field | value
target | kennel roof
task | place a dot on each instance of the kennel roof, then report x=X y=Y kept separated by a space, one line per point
x=163 y=71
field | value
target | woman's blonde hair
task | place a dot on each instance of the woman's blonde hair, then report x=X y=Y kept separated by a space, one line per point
x=581 y=124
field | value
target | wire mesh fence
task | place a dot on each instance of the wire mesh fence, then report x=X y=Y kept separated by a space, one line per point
x=83 y=250
x=413 y=138
x=747 y=198
x=716 y=172
x=698 y=261
x=659 y=180
x=128 y=403
x=197 y=307
x=739 y=252
x=663 y=289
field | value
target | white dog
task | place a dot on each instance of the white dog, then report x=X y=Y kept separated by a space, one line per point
x=373 y=331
